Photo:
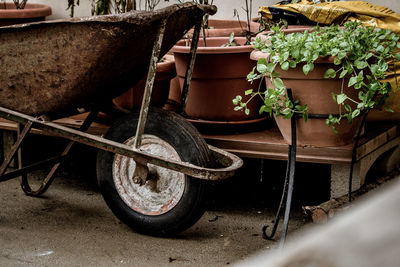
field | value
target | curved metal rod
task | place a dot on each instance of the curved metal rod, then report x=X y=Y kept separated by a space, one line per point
x=50 y=176
x=354 y=154
x=278 y=213
x=289 y=181
x=292 y=171
x=230 y=162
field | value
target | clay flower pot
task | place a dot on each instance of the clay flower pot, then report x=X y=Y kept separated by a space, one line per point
x=315 y=91
x=217 y=28
x=132 y=98
x=289 y=29
x=9 y=15
x=224 y=28
x=219 y=75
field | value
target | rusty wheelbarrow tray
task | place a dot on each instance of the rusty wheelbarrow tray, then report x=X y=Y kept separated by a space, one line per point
x=148 y=161
x=57 y=66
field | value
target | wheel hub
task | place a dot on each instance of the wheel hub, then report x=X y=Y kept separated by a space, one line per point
x=160 y=191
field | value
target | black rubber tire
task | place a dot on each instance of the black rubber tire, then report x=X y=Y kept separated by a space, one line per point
x=190 y=146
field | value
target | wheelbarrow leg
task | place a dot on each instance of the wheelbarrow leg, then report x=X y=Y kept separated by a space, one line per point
x=50 y=176
x=14 y=149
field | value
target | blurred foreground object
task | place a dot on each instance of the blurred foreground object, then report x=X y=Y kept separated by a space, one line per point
x=366 y=236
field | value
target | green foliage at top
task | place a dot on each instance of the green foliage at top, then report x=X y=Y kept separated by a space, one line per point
x=361 y=54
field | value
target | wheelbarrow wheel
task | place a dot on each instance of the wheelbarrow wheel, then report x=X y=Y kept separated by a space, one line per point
x=169 y=202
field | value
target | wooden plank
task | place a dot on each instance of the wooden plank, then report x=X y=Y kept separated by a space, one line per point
x=377 y=141
x=267 y=144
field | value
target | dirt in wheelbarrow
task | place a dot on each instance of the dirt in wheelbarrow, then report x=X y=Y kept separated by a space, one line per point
x=70 y=225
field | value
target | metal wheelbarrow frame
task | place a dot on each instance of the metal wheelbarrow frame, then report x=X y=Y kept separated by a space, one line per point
x=141 y=175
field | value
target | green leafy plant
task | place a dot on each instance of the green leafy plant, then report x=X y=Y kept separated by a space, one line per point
x=231 y=41
x=363 y=55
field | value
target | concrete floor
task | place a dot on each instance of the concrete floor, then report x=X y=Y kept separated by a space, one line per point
x=72 y=226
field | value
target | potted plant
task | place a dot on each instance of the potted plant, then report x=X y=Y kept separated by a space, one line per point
x=219 y=73
x=18 y=12
x=333 y=71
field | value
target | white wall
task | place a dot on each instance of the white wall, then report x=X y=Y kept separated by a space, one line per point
x=225 y=7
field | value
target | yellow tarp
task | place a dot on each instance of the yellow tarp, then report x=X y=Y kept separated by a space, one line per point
x=343 y=11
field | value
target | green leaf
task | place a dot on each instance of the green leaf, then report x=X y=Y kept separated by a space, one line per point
x=342 y=55
x=232 y=37
x=286 y=55
x=343 y=73
x=352 y=81
x=380 y=49
x=261 y=68
x=330 y=73
x=270 y=67
x=237 y=100
x=248 y=92
x=237 y=108
x=296 y=53
x=307 y=68
x=355 y=113
x=285 y=65
x=337 y=61
x=262 y=61
x=341 y=98
x=247 y=111
x=361 y=64
x=305 y=116
x=286 y=111
x=344 y=44
x=278 y=83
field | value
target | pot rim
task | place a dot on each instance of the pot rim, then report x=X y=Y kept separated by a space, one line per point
x=168 y=65
x=30 y=11
x=214 y=49
x=257 y=54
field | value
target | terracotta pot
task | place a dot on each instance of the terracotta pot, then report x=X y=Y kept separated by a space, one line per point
x=9 y=15
x=289 y=29
x=133 y=98
x=316 y=91
x=224 y=28
x=219 y=75
x=255 y=25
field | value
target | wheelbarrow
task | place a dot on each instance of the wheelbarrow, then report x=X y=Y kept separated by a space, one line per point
x=152 y=165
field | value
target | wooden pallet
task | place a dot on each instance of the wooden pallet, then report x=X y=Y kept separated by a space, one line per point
x=269 y=144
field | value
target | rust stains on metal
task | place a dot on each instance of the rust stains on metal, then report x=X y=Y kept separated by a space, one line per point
x=70 y=63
